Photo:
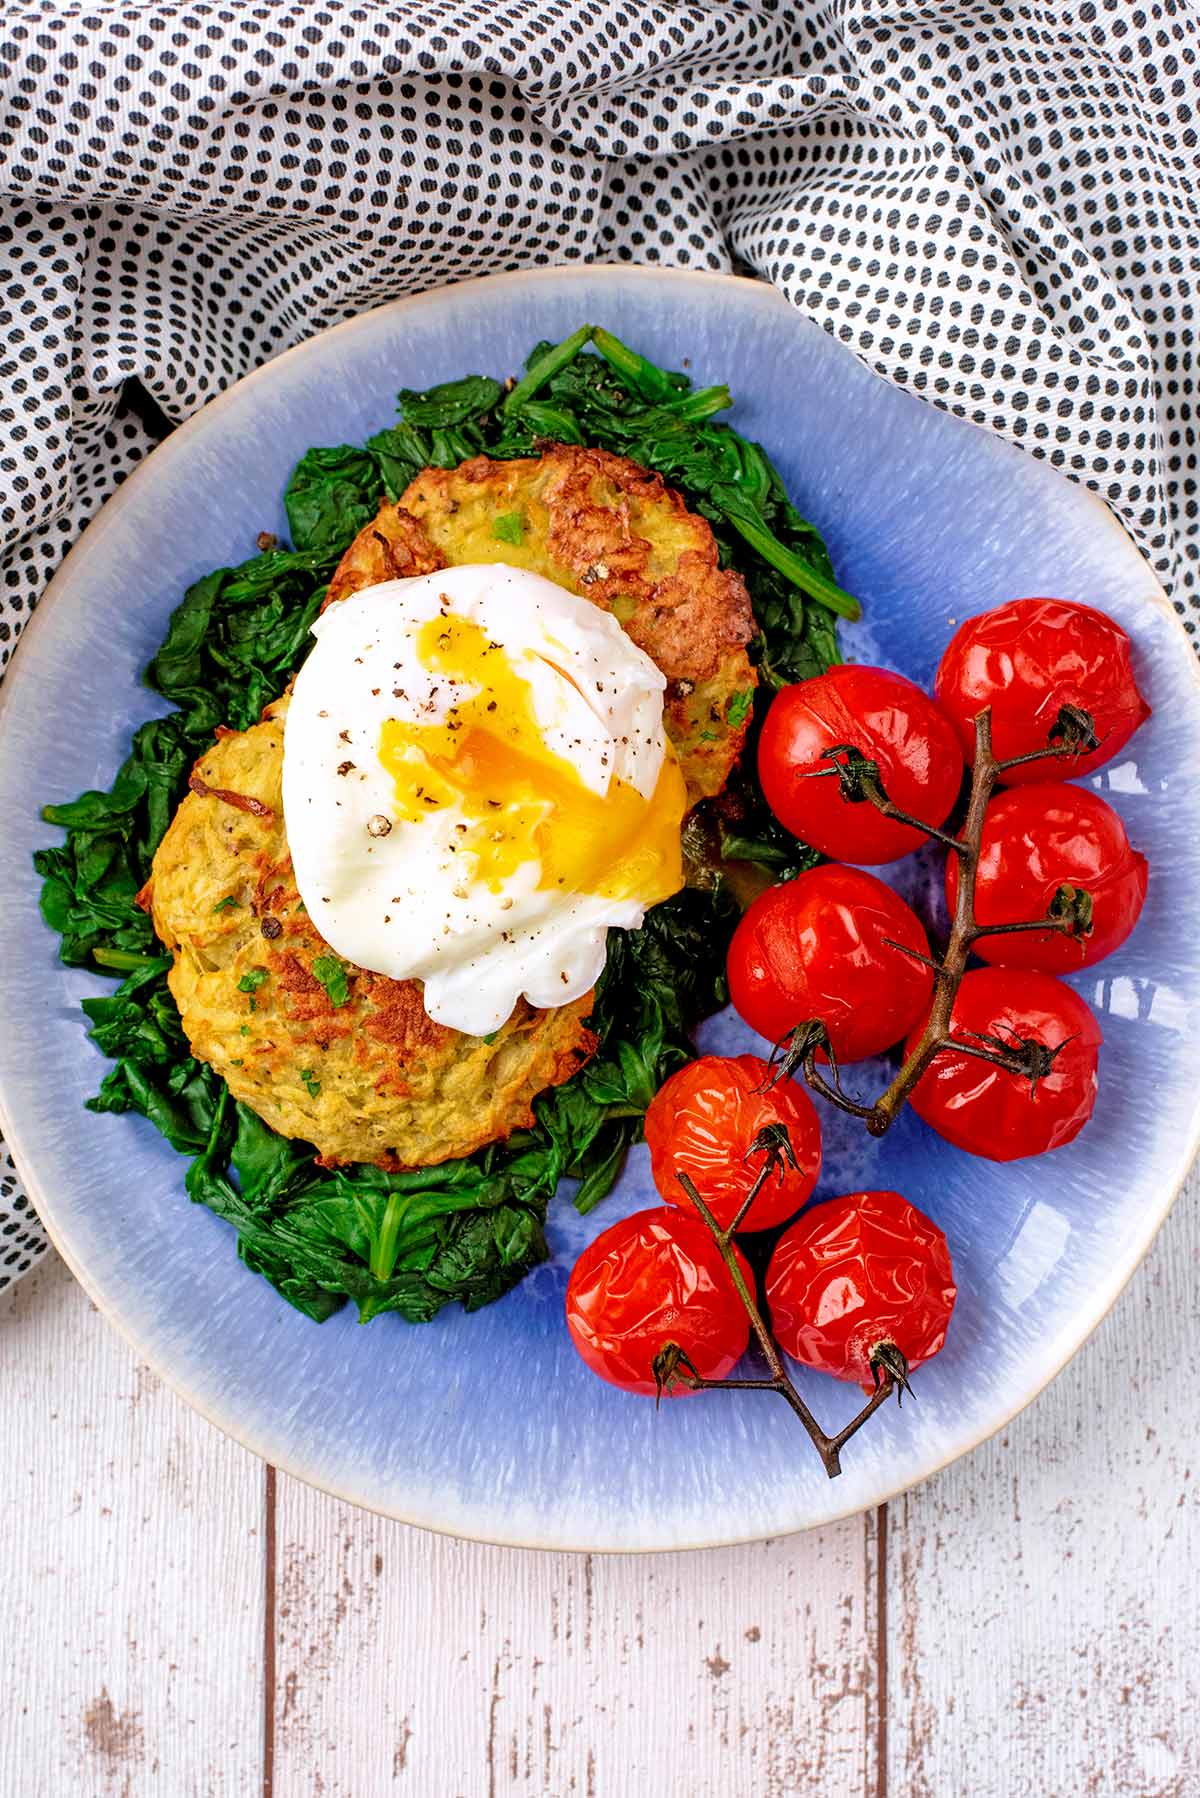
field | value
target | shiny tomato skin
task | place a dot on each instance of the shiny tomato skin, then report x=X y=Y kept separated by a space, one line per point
x=1036 y=839
x=650 y=1279
x=814 y=947
x=993 y=1113
x=854 y=1272
x=703 y=1119
x=894 y=724
x=1028 y=659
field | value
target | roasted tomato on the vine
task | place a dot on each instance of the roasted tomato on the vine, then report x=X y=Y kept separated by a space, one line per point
x=1054 y=845
x=652 y=1279
x=997 y=1112
x=888 y=721
x=1029 y=660
x=824 y=946
x=856 y=1279
x=701 y=1122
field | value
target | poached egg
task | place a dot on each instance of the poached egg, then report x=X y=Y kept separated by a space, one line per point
x=477 y=787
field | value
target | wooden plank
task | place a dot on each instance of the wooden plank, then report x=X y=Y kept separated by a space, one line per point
x=412 y=1663
x=1043 y=1592
x=1040 y=1605
x=132 y=1583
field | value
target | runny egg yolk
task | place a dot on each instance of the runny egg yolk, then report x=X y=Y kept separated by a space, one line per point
x=517 y=800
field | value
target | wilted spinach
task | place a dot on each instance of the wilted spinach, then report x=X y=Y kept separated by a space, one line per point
x=467 y=1230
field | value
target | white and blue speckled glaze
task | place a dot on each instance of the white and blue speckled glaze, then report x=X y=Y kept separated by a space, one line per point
x=488 y=1425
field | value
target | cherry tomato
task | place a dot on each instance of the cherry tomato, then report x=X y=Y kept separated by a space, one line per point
x=857 y=1272
x=654 y=1278
x=1036 y=840
x=1027 y=660
x=818 y=947
x=1001 y=1115
x=892 y=723
x=702 y=1121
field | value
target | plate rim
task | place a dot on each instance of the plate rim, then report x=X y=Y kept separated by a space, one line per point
x=1071 y=1338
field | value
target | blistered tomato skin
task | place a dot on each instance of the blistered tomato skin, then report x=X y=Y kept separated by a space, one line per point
x=822 y=946
x=893 y=723
x=654 y=1278
x=1035 y=840
x=704 y=1118
x=1027 y=660
x=857 y=1271
x=1000 y=1115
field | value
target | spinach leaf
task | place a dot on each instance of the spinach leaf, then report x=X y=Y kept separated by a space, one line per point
x=140 y=1027
x=542 y=364
x=332 y=494
x=237 y=637
x=90 y=883
x=453 y=403
x=400 y=454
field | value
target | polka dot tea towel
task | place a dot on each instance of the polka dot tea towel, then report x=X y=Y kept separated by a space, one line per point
x=996 y=206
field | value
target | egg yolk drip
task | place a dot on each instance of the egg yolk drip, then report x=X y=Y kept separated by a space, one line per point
x=517 y=800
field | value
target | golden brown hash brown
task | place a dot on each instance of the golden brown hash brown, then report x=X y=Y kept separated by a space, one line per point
x=610 y=531
x=374 y=1079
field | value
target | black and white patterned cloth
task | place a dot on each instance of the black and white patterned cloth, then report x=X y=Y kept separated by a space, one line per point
x=996 y=206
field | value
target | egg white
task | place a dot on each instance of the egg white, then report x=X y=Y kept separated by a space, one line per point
x=405 y=903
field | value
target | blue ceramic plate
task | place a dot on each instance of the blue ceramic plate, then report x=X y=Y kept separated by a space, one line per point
x=489 y=1426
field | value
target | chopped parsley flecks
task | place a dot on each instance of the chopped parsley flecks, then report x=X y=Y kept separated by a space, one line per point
x=738 y=709
x=332 y=975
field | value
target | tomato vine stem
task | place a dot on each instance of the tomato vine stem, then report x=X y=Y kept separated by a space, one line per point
x=936 y=1033
x=859 y=780
x=1070 y=915
x=776 y=1151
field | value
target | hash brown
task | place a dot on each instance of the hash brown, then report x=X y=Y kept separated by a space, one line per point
x=373 y=1079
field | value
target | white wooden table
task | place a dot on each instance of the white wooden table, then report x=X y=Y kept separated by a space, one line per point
x=179 y=1620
